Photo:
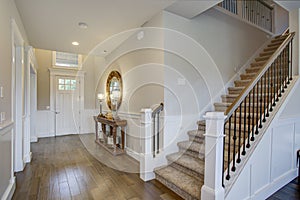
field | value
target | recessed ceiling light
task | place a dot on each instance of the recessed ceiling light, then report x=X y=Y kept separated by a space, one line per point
x=75 y=43
x=83 y=25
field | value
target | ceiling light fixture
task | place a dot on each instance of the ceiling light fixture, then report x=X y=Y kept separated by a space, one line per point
x=83 y=25
x=75 y=43
x=140 y=35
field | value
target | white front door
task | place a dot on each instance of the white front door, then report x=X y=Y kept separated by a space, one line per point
x=67 y=105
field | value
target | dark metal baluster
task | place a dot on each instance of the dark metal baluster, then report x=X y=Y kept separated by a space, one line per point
x=249 y=118
x=272 y=86
x=277 y=80
x=285 y=66
x=289 y=62
x=268 y=85
x=282 y=71
x=291 y=77
x=253 y=113
x=265 y=96
x=245 y=122
x=228 y=151
x=153 y=151
x=257 y=108
x=157 y=133
x=240 y=134
x=279 y=75
x=234 y=142
x=274 y=81
x=223 y=165
x=261 y=102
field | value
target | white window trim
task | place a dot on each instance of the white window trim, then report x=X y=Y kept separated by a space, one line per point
x=79 y=67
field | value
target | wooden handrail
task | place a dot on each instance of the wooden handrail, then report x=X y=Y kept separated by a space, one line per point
x=286 y=31
x=265 y=4
x=236 y=103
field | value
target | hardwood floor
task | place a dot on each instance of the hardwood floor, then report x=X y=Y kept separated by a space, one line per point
x=289 y=192
x=63 y=169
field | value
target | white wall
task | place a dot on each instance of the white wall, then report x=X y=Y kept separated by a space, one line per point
x=273 y=162
x=281 y=19
x=184 y=63
x=294 y=27
x=8 y=11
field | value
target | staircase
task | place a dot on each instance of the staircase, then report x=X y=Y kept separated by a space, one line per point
x=184 y=173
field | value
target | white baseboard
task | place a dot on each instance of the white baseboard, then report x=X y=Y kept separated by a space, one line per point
x=28 y=157
x=133 y=154
x=46 y=135
x=34 y=139
x=267 y=191
x=9 y=192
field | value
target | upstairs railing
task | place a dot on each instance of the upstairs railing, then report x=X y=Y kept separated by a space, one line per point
x=156 y=130
x=255 y=11
x=249 y=111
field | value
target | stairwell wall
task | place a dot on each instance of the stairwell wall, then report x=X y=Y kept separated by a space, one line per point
x=210 y=50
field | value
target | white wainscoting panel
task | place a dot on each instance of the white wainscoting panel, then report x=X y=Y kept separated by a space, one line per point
x=282 y=150
x=44 y=123
x=7 y=180
x=87 y=121
x=272 y=164
x=133 y=140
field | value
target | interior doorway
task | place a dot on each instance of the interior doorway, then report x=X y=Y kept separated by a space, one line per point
x=67 y=105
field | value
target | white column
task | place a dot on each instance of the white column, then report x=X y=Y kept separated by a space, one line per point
x=146 y=162
x=212 y=188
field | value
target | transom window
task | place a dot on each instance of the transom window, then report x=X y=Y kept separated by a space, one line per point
x=66 y=84
x=66 y=60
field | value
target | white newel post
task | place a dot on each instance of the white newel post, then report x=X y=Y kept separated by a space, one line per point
x=212 y=188
x=146 y=162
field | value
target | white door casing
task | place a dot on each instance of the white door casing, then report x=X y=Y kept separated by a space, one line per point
x=17 y=97
x=29 y=97
x=66 y=105
x=33 y=104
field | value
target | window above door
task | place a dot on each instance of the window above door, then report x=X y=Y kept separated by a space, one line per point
x=66 y=60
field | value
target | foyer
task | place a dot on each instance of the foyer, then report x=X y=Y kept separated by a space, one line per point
x=142 y=99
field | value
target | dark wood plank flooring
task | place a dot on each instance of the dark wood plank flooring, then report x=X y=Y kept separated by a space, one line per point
x=291 y=191
x=63 y=169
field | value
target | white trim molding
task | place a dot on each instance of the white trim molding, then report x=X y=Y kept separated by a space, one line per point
x=9 y=192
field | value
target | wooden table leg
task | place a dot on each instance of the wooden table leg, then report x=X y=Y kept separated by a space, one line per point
x=104 y=132
x=123 y=137
x=114 y=133
x=96 y=130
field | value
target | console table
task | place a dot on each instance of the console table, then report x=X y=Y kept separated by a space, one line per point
x=114 y=124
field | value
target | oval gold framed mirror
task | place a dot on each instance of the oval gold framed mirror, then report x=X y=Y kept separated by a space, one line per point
x=114 y=90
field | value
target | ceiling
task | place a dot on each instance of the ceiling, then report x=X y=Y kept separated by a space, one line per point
x=289 y=5
x=53 y=24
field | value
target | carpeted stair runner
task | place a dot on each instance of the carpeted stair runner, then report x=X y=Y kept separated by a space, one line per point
x=184 y=173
